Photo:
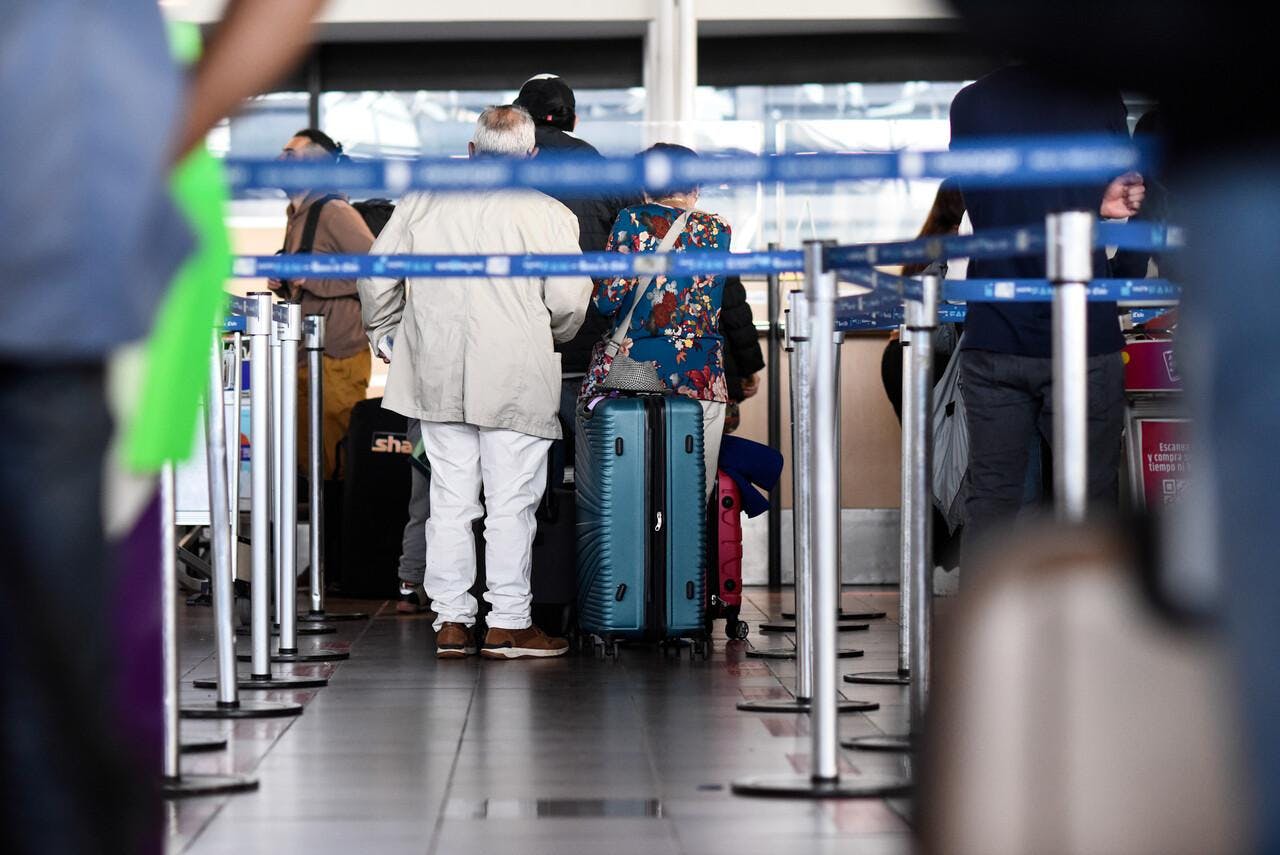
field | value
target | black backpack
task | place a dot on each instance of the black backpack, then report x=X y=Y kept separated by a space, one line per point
x=374 y=212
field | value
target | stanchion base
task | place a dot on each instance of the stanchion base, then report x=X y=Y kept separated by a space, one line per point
x=303 y=629
x=879 y=678
x=322 y=616
x=301 y=656
x=201 y=746
x=791 y=627
x=806 y=787
x=206 y=785
x=241 y=709
x=803 y=705
x=893 y=744
x=278 y=681
x=791 y=654
x=843 y=616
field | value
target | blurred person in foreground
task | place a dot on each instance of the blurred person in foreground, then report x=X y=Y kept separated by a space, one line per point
x=473 y=361
x=1007 y=367
x=326 y=224
x=677 y=325
x=554 y=109
x=1225 y=179
x=95 y=117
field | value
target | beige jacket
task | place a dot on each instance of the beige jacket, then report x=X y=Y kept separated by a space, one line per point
x=477 y=350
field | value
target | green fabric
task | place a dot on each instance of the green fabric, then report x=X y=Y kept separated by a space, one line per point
x=178 y=351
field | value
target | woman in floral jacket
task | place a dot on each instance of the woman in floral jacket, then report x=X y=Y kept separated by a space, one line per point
x=677 y=325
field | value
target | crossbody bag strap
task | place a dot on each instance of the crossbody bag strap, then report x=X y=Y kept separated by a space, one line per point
x=668 y=241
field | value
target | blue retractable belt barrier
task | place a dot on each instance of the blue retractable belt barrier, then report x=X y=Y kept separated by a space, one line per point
x=995 y=243
x=851 y=260
x=596 y=264
x=988 y=163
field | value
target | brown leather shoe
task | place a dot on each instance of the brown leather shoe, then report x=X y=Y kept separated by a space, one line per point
x=455 y=641
x=531 y=643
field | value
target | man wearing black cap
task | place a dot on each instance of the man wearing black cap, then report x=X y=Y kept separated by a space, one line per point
x=551 y=103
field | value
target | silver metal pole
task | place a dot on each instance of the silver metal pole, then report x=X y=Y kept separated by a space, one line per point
x=260 y=324
x=1070 y=267
x=222 y=545
x=820 y=288
x=260 y=351
x=287 y=482
x=233 y=449
x=314 y=342
x=905 y=557
x=277 y=415
x=169 y=622
x=173 y=783
x=837 y=342
x=819 y=460
x=801 y=475
x=924 y=320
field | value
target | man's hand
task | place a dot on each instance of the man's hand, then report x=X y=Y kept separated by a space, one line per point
x=1124 y=197
x=750 y=386
x=256 y=43
x=275 y=284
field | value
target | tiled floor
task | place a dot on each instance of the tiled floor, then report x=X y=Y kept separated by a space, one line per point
x=401 y=753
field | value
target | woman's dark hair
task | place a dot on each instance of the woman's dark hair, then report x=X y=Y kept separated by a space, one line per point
x=944 y=219
x=320 y=138
x=677 y=153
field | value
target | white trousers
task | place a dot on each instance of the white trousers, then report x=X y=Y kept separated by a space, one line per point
x=712 y=431
x=512 y=467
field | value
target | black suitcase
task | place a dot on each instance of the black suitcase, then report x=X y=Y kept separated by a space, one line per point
x=375 y=500
x=555 y=548
x=554 y=579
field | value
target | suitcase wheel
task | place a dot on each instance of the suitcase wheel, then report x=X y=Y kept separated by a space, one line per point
x=734 y=629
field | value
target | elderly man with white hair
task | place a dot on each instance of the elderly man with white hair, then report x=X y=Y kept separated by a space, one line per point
x=473 y=360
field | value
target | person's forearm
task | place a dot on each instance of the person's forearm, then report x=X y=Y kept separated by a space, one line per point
x=256 y=43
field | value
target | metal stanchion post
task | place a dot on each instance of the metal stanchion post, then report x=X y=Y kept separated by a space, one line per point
x=276 y=471
x=174 y=783
x=1070 y=267
x=774 y=370
x=823 y=780
x=902 y=676
x=223 y=547
x=841 y=626
x=260 y=677
x=917 y=515
x=273 y=455
x=313 y=342
x=233 y=447
x=798 y=340
x=287 y=495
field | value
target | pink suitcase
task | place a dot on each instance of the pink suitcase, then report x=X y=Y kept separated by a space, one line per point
x=725 y=588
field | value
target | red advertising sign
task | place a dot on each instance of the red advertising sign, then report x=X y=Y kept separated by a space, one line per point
x=1165 y=452
x=1150 y=366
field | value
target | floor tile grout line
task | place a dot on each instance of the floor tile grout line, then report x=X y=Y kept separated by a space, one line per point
x=647 y=739
x=438 y=828
x=288 y=725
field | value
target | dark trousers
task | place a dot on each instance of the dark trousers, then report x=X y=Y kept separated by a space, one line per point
x=1009 y=398
x=68 y=784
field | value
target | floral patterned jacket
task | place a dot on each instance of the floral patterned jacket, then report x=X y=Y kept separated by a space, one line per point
x=677 y=326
